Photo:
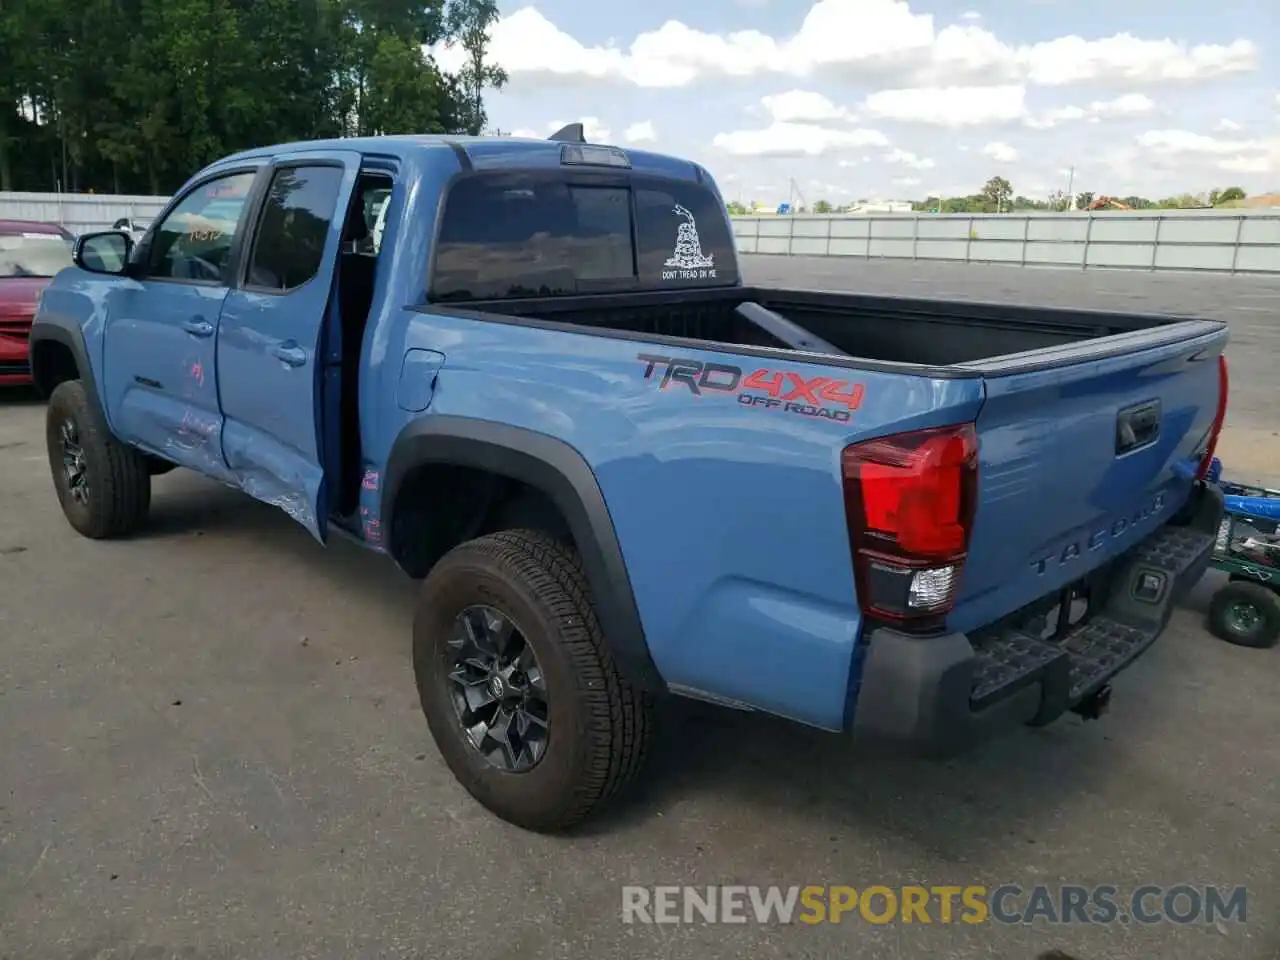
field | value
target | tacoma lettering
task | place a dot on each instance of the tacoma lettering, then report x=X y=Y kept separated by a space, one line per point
x=1099 y=538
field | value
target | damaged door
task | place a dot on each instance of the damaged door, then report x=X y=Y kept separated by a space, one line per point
x=269 y=339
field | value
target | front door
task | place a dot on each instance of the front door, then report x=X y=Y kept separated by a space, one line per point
x=162 y=327
x=269 y=342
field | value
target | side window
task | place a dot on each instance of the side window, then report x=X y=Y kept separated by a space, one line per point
x=194 y=241
x=288 y=247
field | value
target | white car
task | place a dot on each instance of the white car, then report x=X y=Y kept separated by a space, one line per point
x=131 y=227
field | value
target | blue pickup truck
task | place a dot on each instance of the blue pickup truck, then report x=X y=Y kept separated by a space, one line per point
x=532 y=373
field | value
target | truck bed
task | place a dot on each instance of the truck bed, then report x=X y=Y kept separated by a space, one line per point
x=899 y=330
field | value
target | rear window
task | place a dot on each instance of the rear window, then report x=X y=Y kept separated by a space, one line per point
x=508 y=235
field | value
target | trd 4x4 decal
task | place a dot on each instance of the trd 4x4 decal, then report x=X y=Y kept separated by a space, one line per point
x=786 y=390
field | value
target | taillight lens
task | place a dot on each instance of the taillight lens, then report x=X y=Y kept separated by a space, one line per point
x=910 y=500
x=1219 y=417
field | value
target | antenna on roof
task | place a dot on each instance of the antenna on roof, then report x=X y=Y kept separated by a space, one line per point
x=570 y=133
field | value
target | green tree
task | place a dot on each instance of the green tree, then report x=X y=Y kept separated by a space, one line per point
x=1083 y=199
x=1227 y=195
x=997 y=192
x=467 y=22
x=822 y=206
x=735 y=208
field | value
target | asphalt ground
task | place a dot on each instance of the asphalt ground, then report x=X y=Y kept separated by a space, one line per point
x=211 y=746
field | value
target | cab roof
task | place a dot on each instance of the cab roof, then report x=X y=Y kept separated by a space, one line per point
x=481 y=152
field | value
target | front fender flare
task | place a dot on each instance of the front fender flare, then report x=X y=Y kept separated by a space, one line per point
x=558 y=471
x=45 y=331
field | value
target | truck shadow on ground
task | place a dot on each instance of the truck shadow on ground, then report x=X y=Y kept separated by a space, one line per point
x=19 y=397
x=998 y=794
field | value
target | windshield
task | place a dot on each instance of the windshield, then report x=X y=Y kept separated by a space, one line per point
x=33 y=254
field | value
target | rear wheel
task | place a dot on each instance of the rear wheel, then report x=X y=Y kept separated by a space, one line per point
x=104 y=487
x=1246 y=614
x=518 y=687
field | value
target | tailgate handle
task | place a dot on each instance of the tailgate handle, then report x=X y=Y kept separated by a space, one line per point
x=1137 y=426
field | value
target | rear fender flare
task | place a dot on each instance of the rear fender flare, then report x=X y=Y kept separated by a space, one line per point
x=558 y=471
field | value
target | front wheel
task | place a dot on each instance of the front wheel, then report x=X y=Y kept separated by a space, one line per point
x=1246 y=614
x=519 y=690
x=104 y=487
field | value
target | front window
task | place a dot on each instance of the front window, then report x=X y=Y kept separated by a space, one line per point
x=33 y=254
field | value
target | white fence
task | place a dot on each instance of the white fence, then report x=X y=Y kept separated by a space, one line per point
x=79 y=212
x=1219 y=241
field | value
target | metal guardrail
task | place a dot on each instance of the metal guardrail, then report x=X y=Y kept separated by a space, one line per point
x=1218 y=241
x=79 y=212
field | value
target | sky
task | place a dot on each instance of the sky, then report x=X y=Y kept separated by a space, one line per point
x=901 y=99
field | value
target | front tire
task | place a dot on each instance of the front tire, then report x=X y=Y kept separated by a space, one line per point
x=104 y=487
x=521 y=695
x=1246 y=614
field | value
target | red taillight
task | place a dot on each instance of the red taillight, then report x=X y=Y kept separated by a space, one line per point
x=910 y=500
x=1219 y=417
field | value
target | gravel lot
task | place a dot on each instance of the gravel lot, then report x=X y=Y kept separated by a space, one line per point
x=212 y=748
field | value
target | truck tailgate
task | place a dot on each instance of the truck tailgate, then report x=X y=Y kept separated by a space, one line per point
x=1084 y=450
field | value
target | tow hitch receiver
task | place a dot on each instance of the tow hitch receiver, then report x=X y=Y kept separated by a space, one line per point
x=1094 y=705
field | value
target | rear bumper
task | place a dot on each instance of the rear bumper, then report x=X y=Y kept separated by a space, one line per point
x=938 y=695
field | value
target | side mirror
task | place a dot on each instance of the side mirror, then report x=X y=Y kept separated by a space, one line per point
x=107 y=251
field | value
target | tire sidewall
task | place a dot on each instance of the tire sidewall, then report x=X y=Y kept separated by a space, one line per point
x=531 y=797
x=67 y=403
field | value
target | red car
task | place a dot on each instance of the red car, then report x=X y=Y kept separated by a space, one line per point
x=30 y=254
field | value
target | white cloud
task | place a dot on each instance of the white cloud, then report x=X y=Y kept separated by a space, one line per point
x=1183 y=141
x=971 y=15
x=802 y=106
x=864 y=38
x=1128 y=105
x=1000 y=152
x=795 y=139
x=1126 y=57
x=1232 y=156
x=1226 y=125
x=949 y=106
x=908 y=159
x=642 y=132
x=906 y=182
x=1260 y=163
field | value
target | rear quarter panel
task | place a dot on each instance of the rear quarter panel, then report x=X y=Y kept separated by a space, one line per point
x=731 y=518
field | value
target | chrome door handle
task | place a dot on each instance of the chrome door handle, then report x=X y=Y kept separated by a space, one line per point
x=293 y=356
x=198 y=327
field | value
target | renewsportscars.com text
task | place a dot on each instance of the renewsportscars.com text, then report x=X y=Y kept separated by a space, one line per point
x=974 y=904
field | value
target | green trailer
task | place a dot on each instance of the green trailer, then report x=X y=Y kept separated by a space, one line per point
x=1246 y=610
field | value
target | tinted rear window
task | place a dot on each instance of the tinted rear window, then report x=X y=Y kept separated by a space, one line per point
x=508 y=235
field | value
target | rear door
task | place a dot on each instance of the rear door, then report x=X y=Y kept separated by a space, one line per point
x=1082 y=456
x=269 y=343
